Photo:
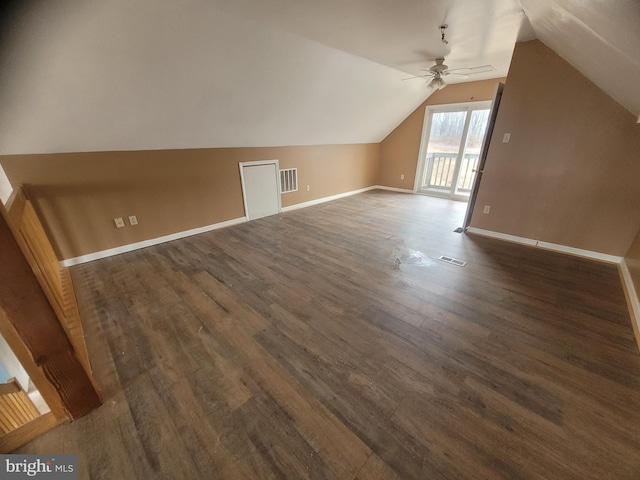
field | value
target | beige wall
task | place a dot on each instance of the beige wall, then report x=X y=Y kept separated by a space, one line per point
x=570 y=173
x=399 y=150
x=79 y=194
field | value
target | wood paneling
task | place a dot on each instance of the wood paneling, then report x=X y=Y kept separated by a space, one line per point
x=10 y=387
x=54 y=279
x=31 y=328
x=28 y=432
x=16 y=408
x=295 y=346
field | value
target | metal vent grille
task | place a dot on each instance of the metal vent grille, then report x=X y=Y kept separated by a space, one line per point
x=453 y=261
x=288 y=180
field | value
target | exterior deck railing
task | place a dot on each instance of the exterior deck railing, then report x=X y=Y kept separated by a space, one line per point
x=441 y=167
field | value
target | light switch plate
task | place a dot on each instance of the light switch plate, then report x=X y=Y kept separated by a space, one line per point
x=119 y=222
x=506 y=137
x=133 y=220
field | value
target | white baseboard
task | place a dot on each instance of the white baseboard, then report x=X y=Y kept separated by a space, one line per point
x=502 y=236
x=394 y=189
x=318 y=201
x=187 y=233
x=627 y=282
x=579 y=252
x=632 y=298
x=148 y=243
x=175 y=236
x=342 y=195
x=604 y=257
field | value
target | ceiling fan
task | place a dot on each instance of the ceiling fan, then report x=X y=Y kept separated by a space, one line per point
x=440 y=70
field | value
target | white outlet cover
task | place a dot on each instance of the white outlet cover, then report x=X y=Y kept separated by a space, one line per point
x=487 y=209
x=133 y=220
x=119 y=222
x=506 y=137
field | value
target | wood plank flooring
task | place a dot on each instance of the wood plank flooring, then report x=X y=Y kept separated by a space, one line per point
x=330 y=343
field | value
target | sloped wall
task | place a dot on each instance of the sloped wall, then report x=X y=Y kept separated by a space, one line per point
x=569 y=175
x=116 y=75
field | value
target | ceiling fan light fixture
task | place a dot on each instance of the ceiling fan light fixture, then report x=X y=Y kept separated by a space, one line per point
x=437 y=83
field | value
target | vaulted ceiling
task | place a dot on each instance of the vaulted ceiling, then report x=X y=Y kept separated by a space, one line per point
x=599 y=38
x=89 y=75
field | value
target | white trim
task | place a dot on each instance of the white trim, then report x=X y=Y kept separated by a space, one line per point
x=632 y=295
x=435 y=194
x=604 y=257
x=579 y=252
x=284 y=176
x=6 y=189
x=254 y=163
x=148 y=243
x=426 y=130
x=195 y=231
x=502 y=236
x=327 y=199
x=394 y=189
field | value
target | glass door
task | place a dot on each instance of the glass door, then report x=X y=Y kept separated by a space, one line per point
x=450 y=159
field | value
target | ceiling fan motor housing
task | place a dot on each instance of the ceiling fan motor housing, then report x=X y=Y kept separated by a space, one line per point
x=439 y=67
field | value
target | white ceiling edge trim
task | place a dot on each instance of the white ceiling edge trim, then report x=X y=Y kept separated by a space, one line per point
x=147 y=75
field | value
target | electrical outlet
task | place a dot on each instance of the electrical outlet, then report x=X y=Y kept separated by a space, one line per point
x=119 y=222
x=133 y=220
x=308 y=187
x=506 y=138
x=487 y=209
x=402 y=177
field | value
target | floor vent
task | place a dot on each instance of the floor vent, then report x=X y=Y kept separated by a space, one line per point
x=453 y=261
x=288 y=180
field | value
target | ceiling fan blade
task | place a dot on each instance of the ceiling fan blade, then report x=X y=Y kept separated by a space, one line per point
x=472 y=70
x=418 y=76
x=459 y=74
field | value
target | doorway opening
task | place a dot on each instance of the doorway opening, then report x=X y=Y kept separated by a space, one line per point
x=450 y=149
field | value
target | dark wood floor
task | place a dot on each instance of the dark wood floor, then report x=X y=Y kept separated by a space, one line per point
x=297 y=346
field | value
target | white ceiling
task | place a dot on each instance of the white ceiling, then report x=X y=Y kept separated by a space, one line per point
x=402 y=34
x=90 y=75
x=599 y=38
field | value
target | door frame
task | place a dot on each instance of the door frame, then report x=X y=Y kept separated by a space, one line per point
x=255 y=163
x=484 y=151
x=424 y=140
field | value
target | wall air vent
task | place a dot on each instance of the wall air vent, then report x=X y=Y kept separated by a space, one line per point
x=453 y=261
x=288 y=180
